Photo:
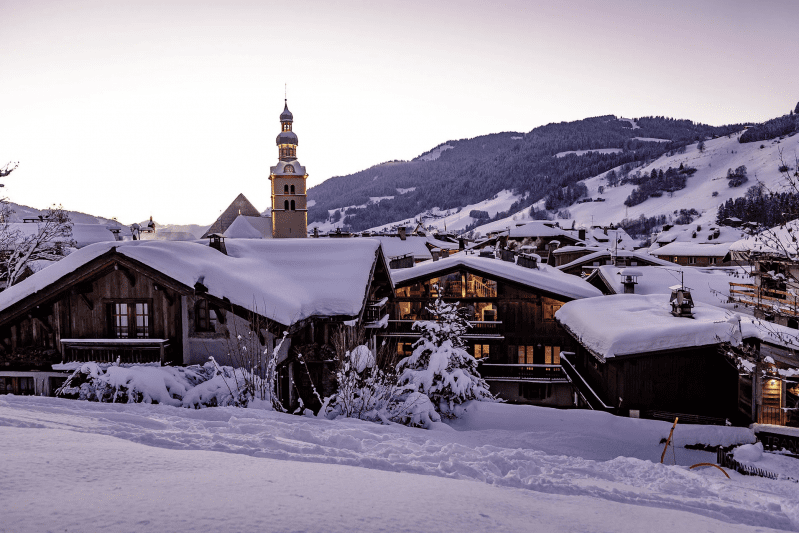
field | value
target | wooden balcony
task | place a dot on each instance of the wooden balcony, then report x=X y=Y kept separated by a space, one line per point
x=481 y=329
x=107 y=350
x=527 y=373
x=774 y=300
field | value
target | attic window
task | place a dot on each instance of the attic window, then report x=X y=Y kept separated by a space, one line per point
x=289 y=169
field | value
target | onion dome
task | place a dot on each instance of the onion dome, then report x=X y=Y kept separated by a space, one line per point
x=286 y=115
x=287 y=137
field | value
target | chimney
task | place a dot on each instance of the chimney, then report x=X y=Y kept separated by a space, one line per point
x=629 y=279
x=401 y=232
x=605 y=230
x=461 y=244
x=681 y=301
x=581 y=234
x=436 y=255
x=218 y=242
x=528 y=260
x=316 y=232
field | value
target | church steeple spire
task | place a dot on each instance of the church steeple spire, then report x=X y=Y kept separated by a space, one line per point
x=287 y=140
x=288 y=177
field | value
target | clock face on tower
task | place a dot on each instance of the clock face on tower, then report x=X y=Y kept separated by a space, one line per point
x=288 y=169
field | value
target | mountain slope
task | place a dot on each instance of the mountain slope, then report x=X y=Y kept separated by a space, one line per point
x=459 y=173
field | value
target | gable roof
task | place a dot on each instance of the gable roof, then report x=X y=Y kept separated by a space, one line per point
x=285 y=280
x=679 y=248
x=544 y=278
x=239 y=206
x=638 y=256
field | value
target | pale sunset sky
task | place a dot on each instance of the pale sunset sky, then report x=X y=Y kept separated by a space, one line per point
x=170 y=108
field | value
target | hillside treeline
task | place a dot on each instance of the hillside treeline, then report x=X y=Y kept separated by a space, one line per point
x=477 y=169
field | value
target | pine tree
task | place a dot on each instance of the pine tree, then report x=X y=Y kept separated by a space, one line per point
x=440 y=366
x=796 y=109
x=701 y=146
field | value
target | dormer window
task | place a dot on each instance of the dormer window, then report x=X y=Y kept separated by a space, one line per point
x=289 y=169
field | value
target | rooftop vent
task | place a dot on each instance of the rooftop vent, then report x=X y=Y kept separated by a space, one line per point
x=528 y=260
x=486 y=253
x=681 y=301
x=401 y=233
x=507 y=255
x=629 y=278
x=217 y=242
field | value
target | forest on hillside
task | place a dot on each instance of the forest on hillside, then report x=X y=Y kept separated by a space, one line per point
x=477 y=169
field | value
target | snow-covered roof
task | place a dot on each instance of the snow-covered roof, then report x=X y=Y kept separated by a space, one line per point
x=395 y=247
x=245 y=227
x=596 y=256
x=286 y=280
x=538 y=228
x=693 y=249
x=707 y=285
x=696 y=233
x=625 y=324
x=615 y=238
x=545 y=278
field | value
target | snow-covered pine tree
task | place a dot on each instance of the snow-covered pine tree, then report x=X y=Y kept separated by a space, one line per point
x=440 y=366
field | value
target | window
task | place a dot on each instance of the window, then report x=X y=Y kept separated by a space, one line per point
x=285 y=205
x=525 y=355
x=535 y=391
x=130 y=320
x=481 y=350
x=204 y=316
x=552 y=355
x=292 y=205
x=292 y=188
x=713 y=260
x=550 y=310
x=289 y=169
x=285 y=189
x=692 y=260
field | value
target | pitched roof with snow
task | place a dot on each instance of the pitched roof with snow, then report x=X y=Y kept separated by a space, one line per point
x=590 y=258
x=240 y=206
x=707 y=285
x=626 y=324
x=286 y=280
x=395 y=247
x=246 y=227
x=537 y=228
x=544 y=278
x=780 y=240
x=693 y=249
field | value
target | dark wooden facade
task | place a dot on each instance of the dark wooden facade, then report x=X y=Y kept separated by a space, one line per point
x=514 y=334
x=698 y=381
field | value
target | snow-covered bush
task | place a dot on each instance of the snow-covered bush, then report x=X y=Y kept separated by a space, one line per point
x=195 y=386
x=440 y=367
x=368 y=393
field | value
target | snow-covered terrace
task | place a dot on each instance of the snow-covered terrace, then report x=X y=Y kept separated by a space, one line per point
x=545 y=278
x=626 y=324
x=286 y=280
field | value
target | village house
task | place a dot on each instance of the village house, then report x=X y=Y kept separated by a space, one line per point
x=179 y=303
x=655 y=356
x=695 y=254
x=511 y=305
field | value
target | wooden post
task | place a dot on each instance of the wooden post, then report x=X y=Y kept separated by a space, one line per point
x=663 y=455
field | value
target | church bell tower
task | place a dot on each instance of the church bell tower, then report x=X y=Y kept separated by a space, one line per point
x=288 y=177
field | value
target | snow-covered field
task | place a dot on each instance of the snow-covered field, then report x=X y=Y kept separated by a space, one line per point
x=80 y=466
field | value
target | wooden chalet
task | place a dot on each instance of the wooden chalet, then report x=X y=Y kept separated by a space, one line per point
x=511 y=306
x=655 y=357
x=178 y=303
x=695 y=254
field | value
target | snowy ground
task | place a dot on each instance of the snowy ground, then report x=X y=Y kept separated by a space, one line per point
x=81 y=466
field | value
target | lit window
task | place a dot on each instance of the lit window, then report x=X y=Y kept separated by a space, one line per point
x=481 y=350
x=550 y=310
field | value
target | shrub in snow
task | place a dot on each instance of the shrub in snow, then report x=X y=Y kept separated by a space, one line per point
x=368 y=393
x=440 y=367
x=196 y=386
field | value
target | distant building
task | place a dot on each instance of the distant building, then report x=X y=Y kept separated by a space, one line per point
x=288 y=177
x=241 y=206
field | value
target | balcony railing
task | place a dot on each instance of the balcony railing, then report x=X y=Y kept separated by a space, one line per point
x=777 y=416
x=107 y=350
x=775 y=300
x=539 y=373
x=481 y=329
